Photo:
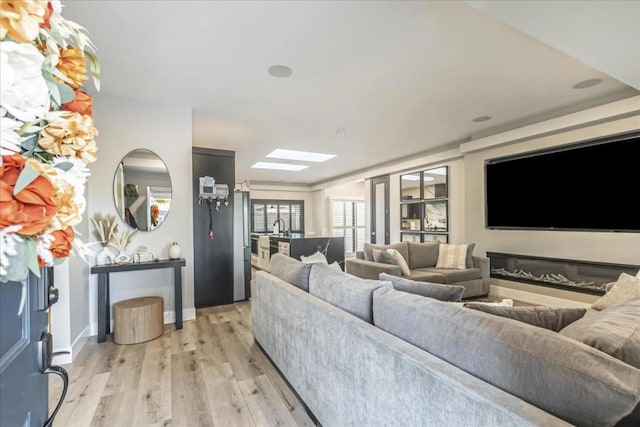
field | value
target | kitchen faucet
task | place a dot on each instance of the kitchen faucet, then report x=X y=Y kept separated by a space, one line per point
x=282 y=230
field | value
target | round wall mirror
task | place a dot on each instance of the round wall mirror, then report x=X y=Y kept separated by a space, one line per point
x=142 y=190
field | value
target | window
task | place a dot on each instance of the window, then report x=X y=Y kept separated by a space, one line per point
x=347 y=220
x=264 y=214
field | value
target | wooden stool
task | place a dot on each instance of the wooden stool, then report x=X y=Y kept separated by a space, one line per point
x=138 y=320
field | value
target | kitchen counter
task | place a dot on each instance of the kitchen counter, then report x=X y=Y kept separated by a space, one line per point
x=297 y=245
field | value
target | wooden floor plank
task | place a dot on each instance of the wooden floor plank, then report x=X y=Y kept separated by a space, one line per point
x=210 y=373
x=263 y=401
x=189 y=401
x=153 y=399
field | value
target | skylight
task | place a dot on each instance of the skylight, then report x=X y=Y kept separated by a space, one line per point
x=279 y=166
x=304 y=156
x=411 y=177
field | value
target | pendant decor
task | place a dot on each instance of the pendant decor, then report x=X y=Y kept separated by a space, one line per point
x=47 y=138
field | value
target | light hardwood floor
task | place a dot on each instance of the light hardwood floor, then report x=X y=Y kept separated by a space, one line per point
x=210 y=373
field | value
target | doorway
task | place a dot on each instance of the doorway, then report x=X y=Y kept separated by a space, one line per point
x=380 y=210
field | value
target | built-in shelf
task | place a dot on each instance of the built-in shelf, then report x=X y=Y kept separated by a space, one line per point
x=424 y=205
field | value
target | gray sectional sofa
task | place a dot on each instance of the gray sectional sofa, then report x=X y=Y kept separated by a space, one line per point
x=422 y=259
x=360 y=353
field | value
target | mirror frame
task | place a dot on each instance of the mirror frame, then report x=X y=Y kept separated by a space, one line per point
x=119 y=187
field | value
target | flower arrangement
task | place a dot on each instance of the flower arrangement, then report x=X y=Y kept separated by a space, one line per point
x=47 y=137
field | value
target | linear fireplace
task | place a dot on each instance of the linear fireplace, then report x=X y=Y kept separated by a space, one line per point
x=580 y=276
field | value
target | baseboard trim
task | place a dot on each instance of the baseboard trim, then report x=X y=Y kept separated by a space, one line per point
x=74 y=349
x=502 y=292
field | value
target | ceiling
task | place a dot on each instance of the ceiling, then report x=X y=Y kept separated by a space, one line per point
x=400 y=78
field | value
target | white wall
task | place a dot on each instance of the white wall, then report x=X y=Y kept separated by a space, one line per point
x=621 y=248
x=125 y=125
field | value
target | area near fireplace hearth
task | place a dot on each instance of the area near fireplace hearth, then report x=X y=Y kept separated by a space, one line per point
x=593 y=247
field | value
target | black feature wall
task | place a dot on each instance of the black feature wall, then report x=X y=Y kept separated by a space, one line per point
x=213 y=259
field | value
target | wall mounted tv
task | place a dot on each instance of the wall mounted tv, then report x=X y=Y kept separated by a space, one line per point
x=590 y=186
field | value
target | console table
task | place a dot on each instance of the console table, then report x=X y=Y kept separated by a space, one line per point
x=104 y=305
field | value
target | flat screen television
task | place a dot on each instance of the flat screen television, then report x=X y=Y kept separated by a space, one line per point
x=591 y=186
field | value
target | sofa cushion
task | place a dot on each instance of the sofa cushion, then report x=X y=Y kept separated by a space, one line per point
x=422 y=255
x=550 y=318
x=562 y=376
x=400 y=247
x=627 y=287
x=350 y=293
x=615 y=331
x=391 y=256
x=455 y=276
x=431 y=290
x=290 y=270
x=470 y=248
x=426 y=275
x=452 y=256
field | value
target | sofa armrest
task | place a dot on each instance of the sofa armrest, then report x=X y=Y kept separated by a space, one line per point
x=370 y=269
x=482 y=263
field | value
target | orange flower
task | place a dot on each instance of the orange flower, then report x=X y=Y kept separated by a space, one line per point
x=61 y=245
x=46 y=24
x=69 y=134
x=21 y=19
x=81 y=104
x=33 y=207
x=73 y=65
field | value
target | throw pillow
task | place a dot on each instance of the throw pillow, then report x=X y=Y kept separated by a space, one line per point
x=335 y=266
x=426 y=289
x=615 y=331
x=311 y=259
x=290 y=270
x=393 y=257
x=470 y=255
x=452 y=256
x=400 y=261
x=423 y=255
x=350 y=293
x=400 y=247
x=544 y=317
x=627 y=287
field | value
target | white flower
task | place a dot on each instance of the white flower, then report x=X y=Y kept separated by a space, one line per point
x=42 y=248
x=8 y=242
x=23 y=90
x=77 y=175
x=9 y=137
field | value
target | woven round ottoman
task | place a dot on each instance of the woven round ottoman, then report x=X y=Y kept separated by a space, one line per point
x=138 y=320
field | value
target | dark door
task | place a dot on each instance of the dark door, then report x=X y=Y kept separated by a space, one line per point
x=380 y=210
x=213 y=258
x=23 y=389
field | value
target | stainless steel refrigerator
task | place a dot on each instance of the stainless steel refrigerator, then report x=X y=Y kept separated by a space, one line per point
x=241 y=246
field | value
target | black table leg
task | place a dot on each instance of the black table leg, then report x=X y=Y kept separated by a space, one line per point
x=177 y=282
x=102 y=304
x=107 y=325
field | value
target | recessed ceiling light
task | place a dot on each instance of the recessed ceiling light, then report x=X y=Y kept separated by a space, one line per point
x=304 y=156
x=481 y=119
x=411 y=177
x=341 y=131
x=587 y=83
x=280 y=71
x=279 y=166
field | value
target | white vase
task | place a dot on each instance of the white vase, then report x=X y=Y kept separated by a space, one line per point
x=123 y=258
x=175 y=251
x=104 y=257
